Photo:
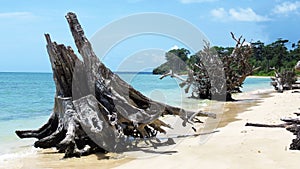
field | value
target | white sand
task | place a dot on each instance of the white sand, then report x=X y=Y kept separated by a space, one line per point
x=238 y=146
x=235 y=146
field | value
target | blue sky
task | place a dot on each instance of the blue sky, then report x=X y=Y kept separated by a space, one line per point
x=23 y=24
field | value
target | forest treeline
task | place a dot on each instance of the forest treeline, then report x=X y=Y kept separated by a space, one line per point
x=268 y=57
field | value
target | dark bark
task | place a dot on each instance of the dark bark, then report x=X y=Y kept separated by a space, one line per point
x=42 y=132
x=267 y=125
x=95 y=110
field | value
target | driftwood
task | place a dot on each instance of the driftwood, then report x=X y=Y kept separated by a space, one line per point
x=290 y=124
x=297 y=66
x=94 y=109
x=286 y=80
x=215 y=76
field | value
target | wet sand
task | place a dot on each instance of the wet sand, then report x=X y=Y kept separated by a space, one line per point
x=233 y=145
x=51 y=159
x=243 y=103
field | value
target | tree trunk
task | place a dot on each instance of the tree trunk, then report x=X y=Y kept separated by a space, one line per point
x=95 y=110
x=215 y=76
x=284 y=81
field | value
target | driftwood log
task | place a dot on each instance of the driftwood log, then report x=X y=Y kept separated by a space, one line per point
x=286 y=80
x=231 y=70
x=297 y=66
x=290 y=124
x=94 y=109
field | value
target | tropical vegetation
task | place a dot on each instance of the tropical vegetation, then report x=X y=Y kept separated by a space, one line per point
x=279 y=55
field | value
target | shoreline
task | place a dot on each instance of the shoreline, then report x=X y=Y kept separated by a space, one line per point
x=259 y=76
x=239 y=146
x=234 y=146
x=242 y=104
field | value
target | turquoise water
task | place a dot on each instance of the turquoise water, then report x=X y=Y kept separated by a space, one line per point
x=251 y=84
x=26 y=100
x=25 y=95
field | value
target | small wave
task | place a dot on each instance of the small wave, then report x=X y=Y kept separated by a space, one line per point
x=17 y=155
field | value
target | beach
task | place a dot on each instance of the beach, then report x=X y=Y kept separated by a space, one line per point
x=233 y=145
x=140 y=84
x=238 y=146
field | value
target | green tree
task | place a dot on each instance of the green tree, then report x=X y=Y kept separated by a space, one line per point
x=279 y=53
x=177 y=60
x=266 y=56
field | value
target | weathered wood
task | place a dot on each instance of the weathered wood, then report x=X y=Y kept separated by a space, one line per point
x=267 y=125
x=286 y=80
x=42 y=132
x=291 y=120
x=232 y=71
x=291 y=124
x=95 y=110
x=296 y=113
x=297 y=66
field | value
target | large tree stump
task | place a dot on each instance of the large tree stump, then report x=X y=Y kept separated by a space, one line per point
x=216 y=76
x=284 y=81
x=95 y=110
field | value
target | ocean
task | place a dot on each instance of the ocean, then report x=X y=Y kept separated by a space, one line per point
x=26 y=102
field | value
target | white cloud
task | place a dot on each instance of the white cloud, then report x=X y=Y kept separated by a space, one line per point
x=219 y=13
x=241 y=14
x=287 y=7
x=174 y=47
x=16 y=15
x=246 y=15
x=195 y=1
